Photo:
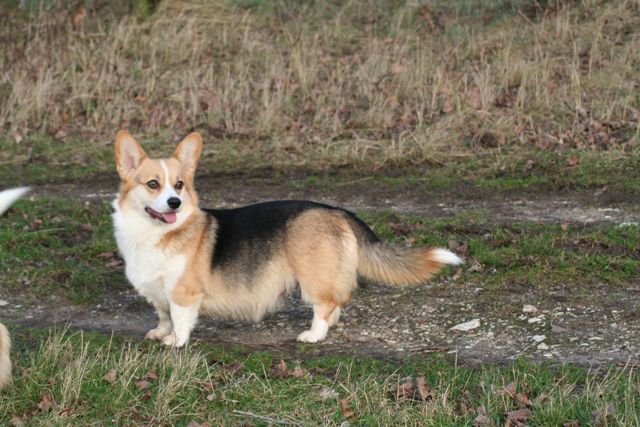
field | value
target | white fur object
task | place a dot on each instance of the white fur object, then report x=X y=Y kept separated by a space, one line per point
x=8 y=197
x=446 y=257
x=5 y=361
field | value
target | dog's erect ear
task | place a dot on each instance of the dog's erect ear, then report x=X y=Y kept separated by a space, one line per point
x=129 y=154
x=188 y=152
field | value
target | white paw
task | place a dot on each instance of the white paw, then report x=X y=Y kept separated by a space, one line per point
x=172 y=341
x=310 y=336
x=157 y=334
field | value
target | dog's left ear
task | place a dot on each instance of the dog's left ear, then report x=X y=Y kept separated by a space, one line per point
x=188 y=152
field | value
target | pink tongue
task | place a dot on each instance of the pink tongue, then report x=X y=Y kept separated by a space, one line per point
x=169 y=217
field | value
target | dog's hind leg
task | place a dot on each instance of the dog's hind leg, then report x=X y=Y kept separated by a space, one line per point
x=320 y=323
x=323 y=251
x=335 y=316
x=165 y=326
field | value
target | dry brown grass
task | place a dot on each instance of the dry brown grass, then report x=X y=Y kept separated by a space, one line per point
x=347 y=82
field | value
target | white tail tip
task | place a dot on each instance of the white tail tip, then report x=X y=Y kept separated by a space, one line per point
x=446 y=257
x=7 y=197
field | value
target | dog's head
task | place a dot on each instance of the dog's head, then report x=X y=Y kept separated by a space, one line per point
x=159 y=189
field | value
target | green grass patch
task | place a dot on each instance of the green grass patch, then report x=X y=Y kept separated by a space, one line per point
x=80 y=378
x=523 y=254
x=60 y=246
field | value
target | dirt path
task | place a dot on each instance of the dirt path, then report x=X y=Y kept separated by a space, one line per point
x=390 y=322
x=367 y=194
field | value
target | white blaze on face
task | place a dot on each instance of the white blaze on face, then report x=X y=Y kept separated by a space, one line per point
x=160 y=203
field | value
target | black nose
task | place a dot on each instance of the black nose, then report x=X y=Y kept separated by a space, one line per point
x=174 y=202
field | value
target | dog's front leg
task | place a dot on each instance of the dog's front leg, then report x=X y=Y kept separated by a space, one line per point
x=164 y=322
x=184 y=319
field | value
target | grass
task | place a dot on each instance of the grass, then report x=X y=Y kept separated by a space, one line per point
x=63 y=380
x=320 y=84
x=66 y=248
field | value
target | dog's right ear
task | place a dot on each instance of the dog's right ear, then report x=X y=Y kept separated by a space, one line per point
x=129 y=154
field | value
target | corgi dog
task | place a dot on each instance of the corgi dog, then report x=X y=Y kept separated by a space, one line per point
x=240 y=263
x=7 y=198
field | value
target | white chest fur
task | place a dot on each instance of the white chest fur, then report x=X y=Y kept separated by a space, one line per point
x=152 y=270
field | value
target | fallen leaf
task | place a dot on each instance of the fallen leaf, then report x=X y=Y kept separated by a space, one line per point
x=424 y=393
x=78 y=17
x=519 y=414
x=509 y=389
x=298 y=372
x=573 y=161
x=460 y=248
x=405 y=390
x=146 y=396
x=17 y=421
x=346 y=411
x=571 y=423
x=211 y=397
x=476 y=266
x=142 y=384
x=46 y=403
x=110 y=376
x=151 y=375
x=402 y=228
x=522 y=400
x=232 y=368
x=280 y=370
x=564 y=226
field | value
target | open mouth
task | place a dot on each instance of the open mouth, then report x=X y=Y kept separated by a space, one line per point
x=166 y=217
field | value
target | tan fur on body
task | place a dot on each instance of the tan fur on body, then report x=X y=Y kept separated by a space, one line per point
x=320 y=249
x=5 y=361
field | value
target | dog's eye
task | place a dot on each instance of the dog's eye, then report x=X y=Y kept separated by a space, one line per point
x=179 y=185
x=153 y=184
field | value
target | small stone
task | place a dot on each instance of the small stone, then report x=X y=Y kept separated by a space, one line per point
x=3 y=303
x=557 y=329
x=538 y=338
x=535 y=320
x=466 y=326
x=528 y=308
x=543 y=346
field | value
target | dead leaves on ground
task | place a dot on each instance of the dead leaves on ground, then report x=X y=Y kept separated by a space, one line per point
x=281 y=370
x=346 y=410
x=414 y=390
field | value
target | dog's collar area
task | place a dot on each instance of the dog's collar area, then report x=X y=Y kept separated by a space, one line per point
x=166 y=217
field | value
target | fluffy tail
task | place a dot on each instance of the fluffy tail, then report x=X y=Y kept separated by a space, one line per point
x=5 y=361
x=402 y=266
x=7 y=197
